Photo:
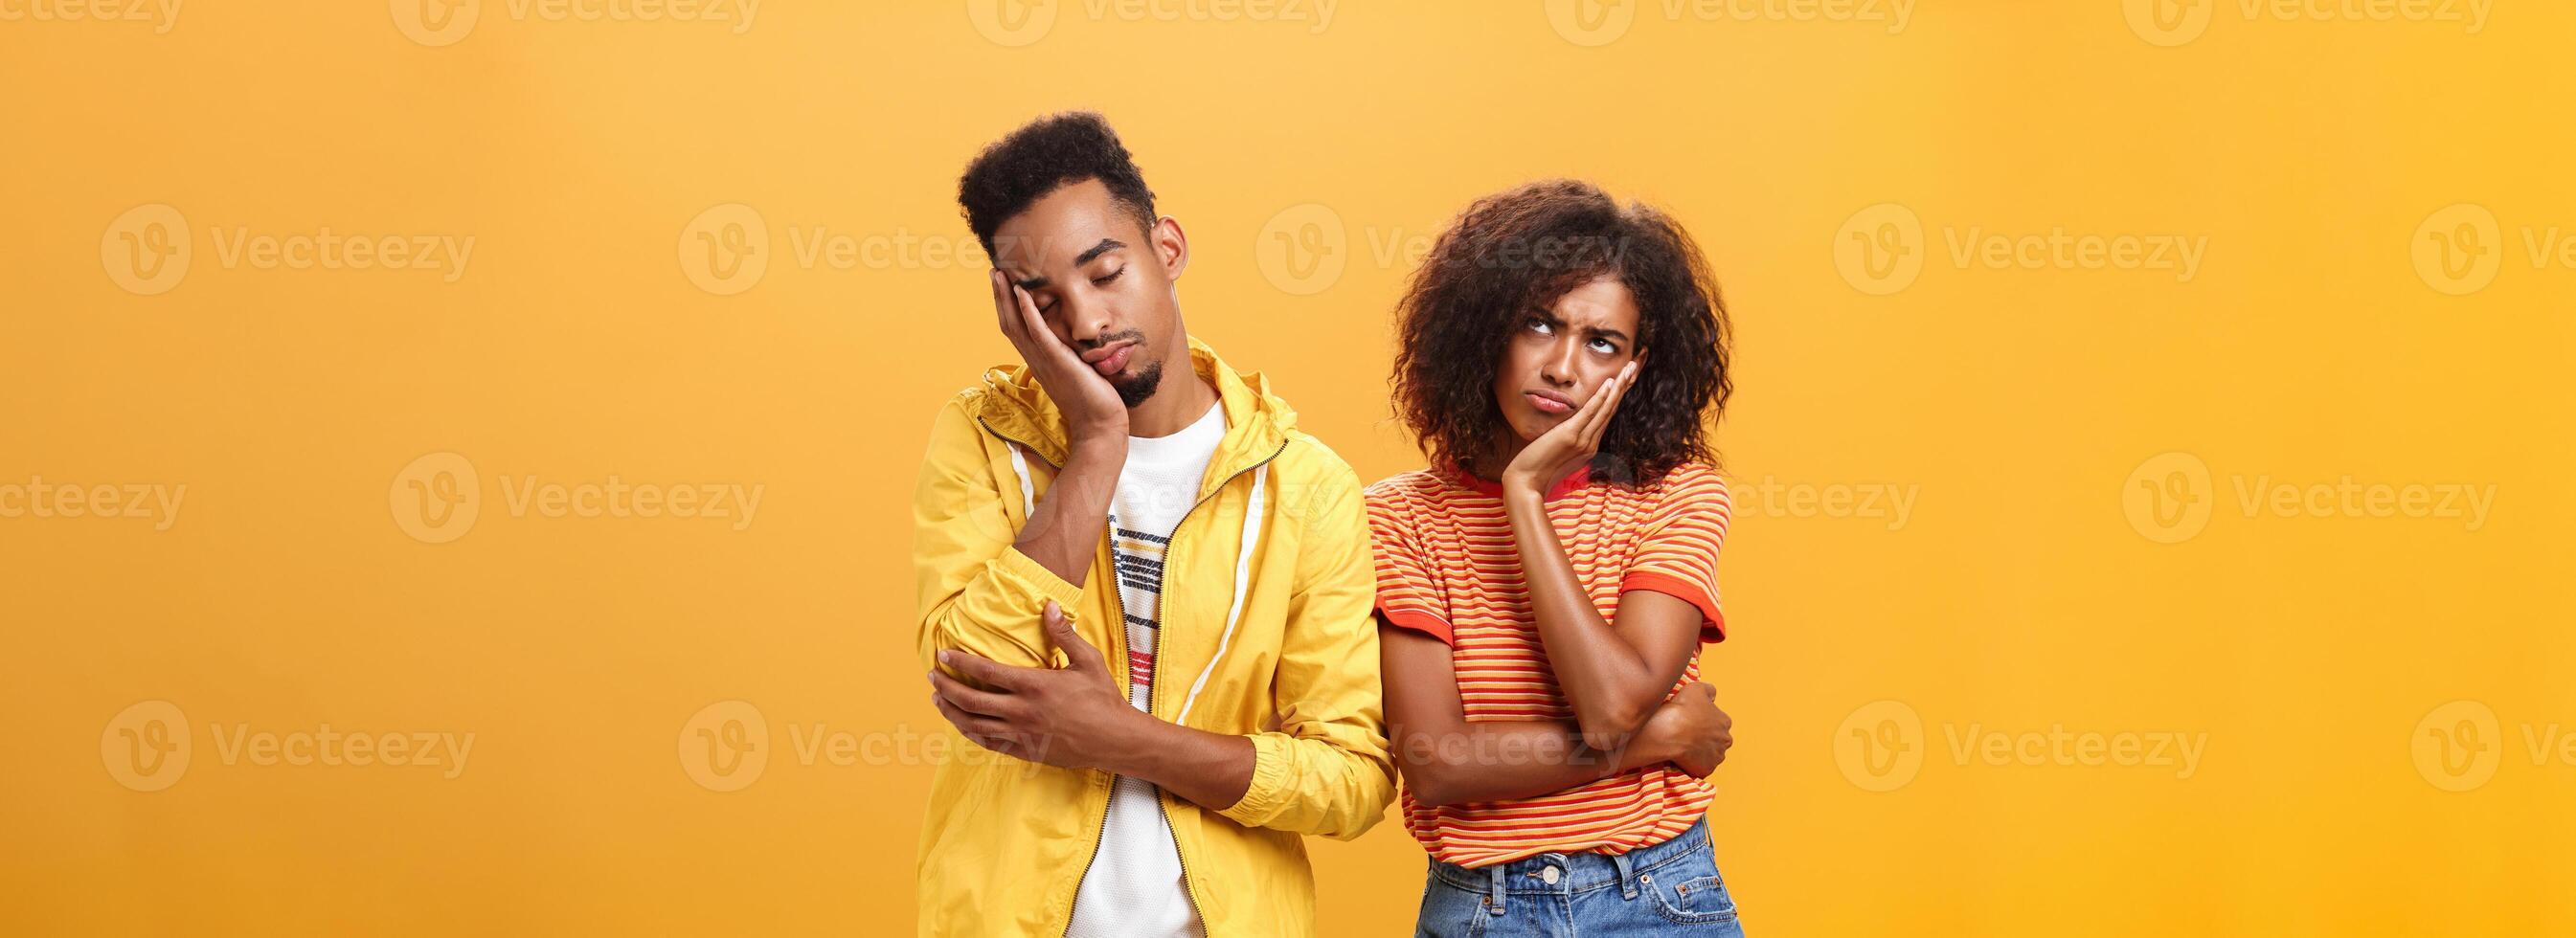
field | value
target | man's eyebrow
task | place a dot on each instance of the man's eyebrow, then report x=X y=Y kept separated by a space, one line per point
x=1105 y=246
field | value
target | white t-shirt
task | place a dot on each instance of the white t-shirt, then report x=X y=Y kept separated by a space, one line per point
x=1134 y=886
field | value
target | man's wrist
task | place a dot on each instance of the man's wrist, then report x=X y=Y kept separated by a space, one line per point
x=1131 y=742
x=1103 y=449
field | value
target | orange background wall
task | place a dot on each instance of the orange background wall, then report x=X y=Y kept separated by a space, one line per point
x=2024 y=493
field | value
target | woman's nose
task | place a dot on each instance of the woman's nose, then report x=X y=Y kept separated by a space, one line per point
x=1558 y=366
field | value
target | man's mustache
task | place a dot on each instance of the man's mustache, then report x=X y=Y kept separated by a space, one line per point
x=1134 y=335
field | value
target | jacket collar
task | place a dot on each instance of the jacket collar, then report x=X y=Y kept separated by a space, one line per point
x=1257 y=422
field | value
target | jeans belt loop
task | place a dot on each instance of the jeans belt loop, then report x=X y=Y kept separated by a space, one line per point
x=1496 y=871
x=1627 y=878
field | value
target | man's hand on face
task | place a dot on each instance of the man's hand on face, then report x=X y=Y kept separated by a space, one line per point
x=1091 y=406
x=1072 y=716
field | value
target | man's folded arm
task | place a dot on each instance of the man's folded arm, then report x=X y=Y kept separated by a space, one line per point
x=976 y=592
x=1326 y=770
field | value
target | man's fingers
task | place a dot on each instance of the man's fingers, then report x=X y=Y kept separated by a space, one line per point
x=982 y=671
x=971 y=700
x=1005 y=744
x=966 y=723
x=1005 y=315
x=1009 y=744
x=1078 y=654
x=1034 y=324
x=988 y=733
x=1042 y=342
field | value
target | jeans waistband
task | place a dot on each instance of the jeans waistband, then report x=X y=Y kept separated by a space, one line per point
x=1574 y=872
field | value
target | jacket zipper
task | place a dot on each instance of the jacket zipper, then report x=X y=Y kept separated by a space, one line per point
x=1120 y=595
x=1119 y=633
x=1160 y=802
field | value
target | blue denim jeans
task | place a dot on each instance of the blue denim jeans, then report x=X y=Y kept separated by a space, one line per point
x=1667 y=888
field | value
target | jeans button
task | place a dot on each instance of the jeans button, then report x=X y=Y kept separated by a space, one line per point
x=1548 y=876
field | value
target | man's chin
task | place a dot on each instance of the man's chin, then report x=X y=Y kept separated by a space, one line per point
x=1139 y=386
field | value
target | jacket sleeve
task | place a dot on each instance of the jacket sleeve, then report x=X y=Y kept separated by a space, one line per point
x=976 y=592
x=1326 y=771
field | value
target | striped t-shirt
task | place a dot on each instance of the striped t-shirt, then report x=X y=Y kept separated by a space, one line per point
x=1447 y=565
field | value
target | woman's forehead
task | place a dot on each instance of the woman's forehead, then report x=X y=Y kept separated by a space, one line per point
x=1601 y=302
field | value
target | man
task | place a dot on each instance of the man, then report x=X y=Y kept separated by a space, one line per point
x=1124 y=490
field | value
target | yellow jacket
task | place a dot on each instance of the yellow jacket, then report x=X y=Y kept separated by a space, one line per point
x=1269 y=634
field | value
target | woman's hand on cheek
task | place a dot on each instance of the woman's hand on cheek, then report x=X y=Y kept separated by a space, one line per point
x=1569 y=444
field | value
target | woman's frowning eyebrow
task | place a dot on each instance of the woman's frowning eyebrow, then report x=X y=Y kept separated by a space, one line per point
x=1554 y=322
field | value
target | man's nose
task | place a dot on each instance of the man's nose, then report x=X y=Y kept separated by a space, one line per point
x=1084 y=321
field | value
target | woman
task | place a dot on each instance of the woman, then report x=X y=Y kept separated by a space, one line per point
x=1544 y=587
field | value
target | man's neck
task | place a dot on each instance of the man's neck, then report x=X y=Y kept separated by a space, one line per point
x=1172 y=409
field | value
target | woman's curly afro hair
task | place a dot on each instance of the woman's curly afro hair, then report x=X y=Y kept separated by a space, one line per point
x=1513 y=254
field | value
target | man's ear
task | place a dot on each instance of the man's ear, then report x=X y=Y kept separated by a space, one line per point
x=1171 y=246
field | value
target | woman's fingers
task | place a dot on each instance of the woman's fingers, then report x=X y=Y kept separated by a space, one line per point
x=1585 y=416
x=1579 y=437
x=1608 y=398
x=1602 y=401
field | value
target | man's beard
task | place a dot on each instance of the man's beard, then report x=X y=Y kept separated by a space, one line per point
x=1140 y=388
